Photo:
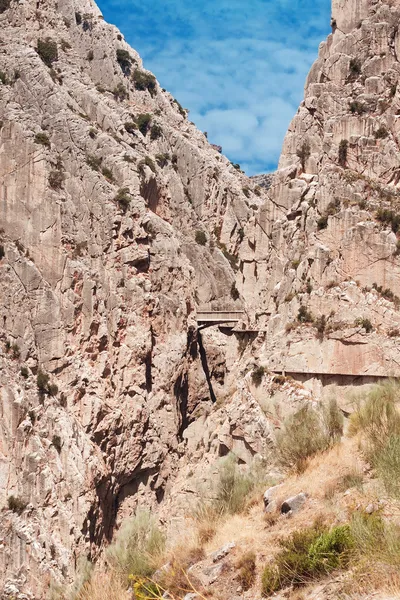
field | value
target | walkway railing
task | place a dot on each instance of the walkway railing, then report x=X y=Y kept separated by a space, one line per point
x=213 y=316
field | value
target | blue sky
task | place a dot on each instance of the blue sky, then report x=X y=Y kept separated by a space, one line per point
x=239 y=66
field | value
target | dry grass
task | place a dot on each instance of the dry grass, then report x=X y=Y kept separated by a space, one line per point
x=331 y=474
x=324 y=469
x=260 y=533
x=104 y=586
x=247 y=570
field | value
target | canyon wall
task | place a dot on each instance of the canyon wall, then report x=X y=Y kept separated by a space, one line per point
x=119 y=221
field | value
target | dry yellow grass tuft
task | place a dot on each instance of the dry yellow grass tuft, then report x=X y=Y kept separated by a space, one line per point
x=104 y=586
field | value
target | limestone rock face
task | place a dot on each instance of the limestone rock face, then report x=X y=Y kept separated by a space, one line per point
x=326 y=241
x=118 y=219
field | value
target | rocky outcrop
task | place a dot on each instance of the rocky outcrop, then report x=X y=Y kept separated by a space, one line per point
x=321 y=267
x=118 y=221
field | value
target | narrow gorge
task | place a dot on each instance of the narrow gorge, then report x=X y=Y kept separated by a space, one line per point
x=122 y=228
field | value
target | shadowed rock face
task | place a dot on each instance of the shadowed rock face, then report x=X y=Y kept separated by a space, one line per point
x=102 y=275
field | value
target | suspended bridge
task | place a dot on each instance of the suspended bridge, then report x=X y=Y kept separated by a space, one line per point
x=217 y=317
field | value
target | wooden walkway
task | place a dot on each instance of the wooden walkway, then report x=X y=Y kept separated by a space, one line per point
x=213 y=317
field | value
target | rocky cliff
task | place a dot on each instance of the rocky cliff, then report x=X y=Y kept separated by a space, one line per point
x=119 y=221
x=321 y=258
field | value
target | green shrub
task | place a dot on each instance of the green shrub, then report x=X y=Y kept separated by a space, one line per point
x=182 y=110
x=377 y=416
x=24 y=372
x=47 y=50
x=304 y=153
x=303 y=434
x=94 y=162
x=56 y=441
x=378 y=419
x=270 y=580
x=56 y=179
x=123 y=198
x=357 y=107
x=16 y=504
x=375 y=539
x=386 y=293
x=332 y=209
x=257 y=375
x=124 y=60
x=387 y=465
x=120 y=93
x=15 y=350
x=144 y=81
x=232 y=488
x=381 y=133
x=129 y=159
x=322 y=222
x=42 y=138
x=247 y=570
x=108 y=174
x=320 y=325
x=155 y=131
x=342 y=155
x=295 y=264
x=234 y=291
x=307 y=555
x=162 y=159
x=147 y=161
x=389 y=217
x=333 y=420
x=355 y=68
x=130 y=127
x=143 y=122
x=200 y=237
x=138 y=549
x=246 y=191
x=304 y=315
x=365 y=323
x=42 y=381
x=52 y=389
x=231 y=258
x=4 y=5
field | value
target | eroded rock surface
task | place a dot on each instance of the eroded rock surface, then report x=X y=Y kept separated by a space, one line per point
x=119 y=221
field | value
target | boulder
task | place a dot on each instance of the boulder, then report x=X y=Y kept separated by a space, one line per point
x=269 y=502
x=222 y=552
x=294 y=503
